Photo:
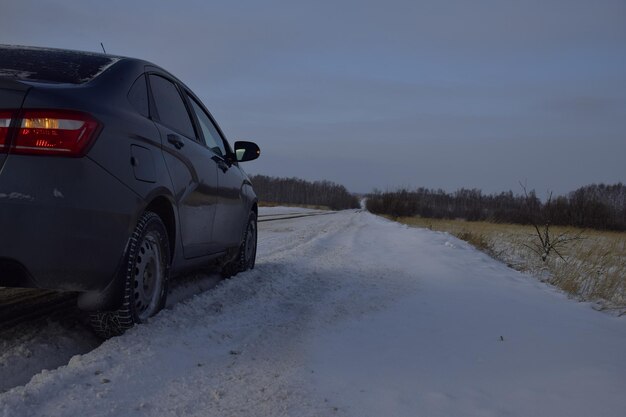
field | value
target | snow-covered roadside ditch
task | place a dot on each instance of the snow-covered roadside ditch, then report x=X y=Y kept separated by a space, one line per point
x=354 y=315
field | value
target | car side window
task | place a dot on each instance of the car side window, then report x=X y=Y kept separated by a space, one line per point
x=170 y=106
x=138 y=96
x=209 y=131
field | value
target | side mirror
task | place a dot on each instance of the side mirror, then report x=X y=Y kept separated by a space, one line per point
x=246 y=151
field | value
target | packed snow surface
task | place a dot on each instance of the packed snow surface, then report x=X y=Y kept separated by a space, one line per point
x=352 y=315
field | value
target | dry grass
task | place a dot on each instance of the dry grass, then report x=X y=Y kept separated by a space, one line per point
x=593 y=268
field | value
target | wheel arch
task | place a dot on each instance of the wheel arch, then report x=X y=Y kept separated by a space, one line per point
x=163 y=207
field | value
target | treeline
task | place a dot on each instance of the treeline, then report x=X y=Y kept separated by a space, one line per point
x=597 y=206
x=298 y=191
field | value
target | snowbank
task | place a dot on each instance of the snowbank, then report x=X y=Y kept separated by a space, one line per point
x=350 y=314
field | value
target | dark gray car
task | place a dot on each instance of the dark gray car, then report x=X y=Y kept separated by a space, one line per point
x=113 y=178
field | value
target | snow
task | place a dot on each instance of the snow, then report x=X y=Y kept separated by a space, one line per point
x=26 y=352
x=50 y=70
x=349 y=314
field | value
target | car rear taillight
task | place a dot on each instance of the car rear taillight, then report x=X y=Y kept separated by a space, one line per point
x=53 y=132
x=5 y=123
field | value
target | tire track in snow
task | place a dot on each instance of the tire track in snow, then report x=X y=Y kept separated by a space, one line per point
x=44 y=329
x=286 y=296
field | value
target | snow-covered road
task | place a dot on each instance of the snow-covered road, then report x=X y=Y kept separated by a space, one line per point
x=350 y=314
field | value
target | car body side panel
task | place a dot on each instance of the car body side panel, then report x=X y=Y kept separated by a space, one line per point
x=65 y=219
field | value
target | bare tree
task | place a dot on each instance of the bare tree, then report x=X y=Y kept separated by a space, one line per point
x=541 y=219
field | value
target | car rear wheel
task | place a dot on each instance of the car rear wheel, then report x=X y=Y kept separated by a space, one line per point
x=146 y=272
x=246 y=257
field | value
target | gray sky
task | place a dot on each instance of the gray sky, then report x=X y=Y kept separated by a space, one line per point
x=435 y=93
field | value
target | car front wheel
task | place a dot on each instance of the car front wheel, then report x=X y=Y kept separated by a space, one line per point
x=246 y=256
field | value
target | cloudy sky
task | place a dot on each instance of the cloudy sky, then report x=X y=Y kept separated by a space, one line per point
x=383 y=94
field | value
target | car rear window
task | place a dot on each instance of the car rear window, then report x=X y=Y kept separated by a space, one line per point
x=52 y=65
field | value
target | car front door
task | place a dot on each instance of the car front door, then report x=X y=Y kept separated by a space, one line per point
x=231 y=214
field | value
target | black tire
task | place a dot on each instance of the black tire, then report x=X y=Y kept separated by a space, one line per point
x=146 y=275
x=246 y=257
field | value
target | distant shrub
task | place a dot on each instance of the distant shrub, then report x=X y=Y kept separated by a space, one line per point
x=297 y=191
x=596 y=206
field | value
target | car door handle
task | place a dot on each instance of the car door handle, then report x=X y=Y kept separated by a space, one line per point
x=221 y=164
x=175 y=140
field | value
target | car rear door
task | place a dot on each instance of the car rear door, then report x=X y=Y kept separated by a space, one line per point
x=190 y=164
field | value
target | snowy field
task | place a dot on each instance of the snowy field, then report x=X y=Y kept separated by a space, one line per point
x=345 y=314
